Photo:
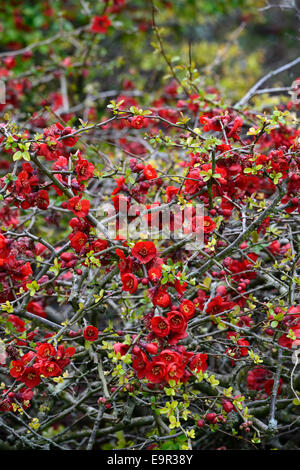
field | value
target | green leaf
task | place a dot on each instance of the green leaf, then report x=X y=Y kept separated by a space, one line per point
x=17 y=156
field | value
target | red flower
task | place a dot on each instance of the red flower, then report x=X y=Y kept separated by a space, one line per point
x=5 y=405
x=121 y=203
x=31 y=377
x=216 y=305
x=100 y=24
x=235 y=127
x=18 y=323
x=174 y=371
x=24 y=182
x=42 y=201
x=125 y=262
x=130 y=282
x=137 y=122
x=149 y=172
x=179 y=285
x=187 y=307
x=78 y=240
x=211 y=124
x=154 y=274
x=198 y=363
x=69 y=352
x=144 y=251
x=45 y=351
x=17 y=369
x=120 y=185
x=50 y=369
x=84 y=170
x=168 y=356
x=63 y=355
x=139 y=364
x=121 y=348
x=237 y=351
x=99 y=245
x=243 y=351
x=79 y=207
x=161 y=298
x=191 y=184
x=171 y=192
x=22 y=271
x=155 y=371
x=28 y=357
x=91 y=333
x=177 y=321
x=160 y=326
x=208 y=225
x=257 y=378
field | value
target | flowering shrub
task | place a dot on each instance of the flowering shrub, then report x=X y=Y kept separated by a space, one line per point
x=124 y=342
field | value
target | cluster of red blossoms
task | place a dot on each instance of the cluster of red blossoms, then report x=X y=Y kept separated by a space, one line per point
x=173 y=326
x=141 y=265
x=167 y=329
x=172 y=363
x=100 y=24
x=29 y=188
x=18 y=270
x=23 y=396
x=169 y=364
x=45 y=361
x=260 y=378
